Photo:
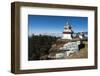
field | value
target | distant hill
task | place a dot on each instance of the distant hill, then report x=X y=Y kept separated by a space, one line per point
x=57 y=34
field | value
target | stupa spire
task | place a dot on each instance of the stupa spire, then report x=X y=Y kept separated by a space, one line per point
x=67 y=33
x=67 y=23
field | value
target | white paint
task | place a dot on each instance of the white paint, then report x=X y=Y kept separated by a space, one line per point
x=60 y=55
x=80 y=36
x=67 y=53
x=67 y=36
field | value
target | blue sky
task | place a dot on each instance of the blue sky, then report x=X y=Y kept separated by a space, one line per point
x=55 y=24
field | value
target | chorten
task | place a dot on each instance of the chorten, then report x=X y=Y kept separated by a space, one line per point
x=67 y=34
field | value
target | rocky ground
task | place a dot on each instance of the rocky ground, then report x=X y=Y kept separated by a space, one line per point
x=83 y=53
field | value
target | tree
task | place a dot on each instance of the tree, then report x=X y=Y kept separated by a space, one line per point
x=39 y=45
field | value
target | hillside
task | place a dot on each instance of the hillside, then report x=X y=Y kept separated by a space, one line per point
x=83 y=53
x=43 y=47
